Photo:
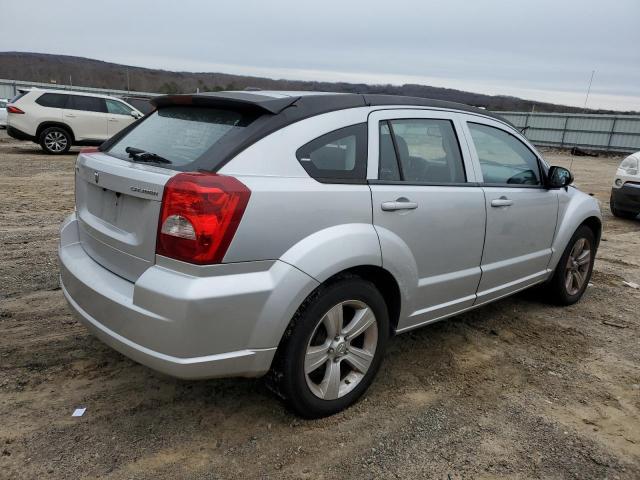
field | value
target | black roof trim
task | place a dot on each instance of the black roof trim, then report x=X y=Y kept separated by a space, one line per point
x=276 y=113
x=227 y=100
x=380 y=100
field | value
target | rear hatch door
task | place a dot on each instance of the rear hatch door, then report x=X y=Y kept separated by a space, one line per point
x=119 y=189
x=118 y=206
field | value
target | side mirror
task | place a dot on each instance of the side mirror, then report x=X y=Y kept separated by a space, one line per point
x=559 y=177
x=135 y=114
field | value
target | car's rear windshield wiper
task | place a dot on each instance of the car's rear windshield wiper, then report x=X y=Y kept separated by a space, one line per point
x=143 y=156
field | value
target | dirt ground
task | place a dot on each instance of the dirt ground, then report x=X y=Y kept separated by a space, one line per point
x=517 y=389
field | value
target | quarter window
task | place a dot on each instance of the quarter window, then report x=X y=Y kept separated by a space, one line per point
x=420 y=151
x=338 y=156
x=503 y=158
x=88 y=104
x=118 y=108
x=53 y=100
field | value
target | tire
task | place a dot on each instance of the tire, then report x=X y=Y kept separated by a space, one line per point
x=55 y=140
x=560 y=291
x=621 y=213
x=310 y=392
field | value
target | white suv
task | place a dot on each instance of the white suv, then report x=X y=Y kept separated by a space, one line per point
x=58 y=119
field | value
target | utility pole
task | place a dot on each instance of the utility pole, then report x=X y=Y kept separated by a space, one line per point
x=70 y=82
x=128 y=85
x=593 y=72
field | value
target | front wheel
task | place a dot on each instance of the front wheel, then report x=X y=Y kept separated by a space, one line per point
x=333 y=349
x=573 y=272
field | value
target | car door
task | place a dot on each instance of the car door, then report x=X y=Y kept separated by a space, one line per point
x=427 y=209
x=87 y=116
x=521 y=212
x=119 y=116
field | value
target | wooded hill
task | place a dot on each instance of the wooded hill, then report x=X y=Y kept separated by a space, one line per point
x=40 y=67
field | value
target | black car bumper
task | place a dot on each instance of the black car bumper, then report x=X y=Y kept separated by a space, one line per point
x=19 y=134
x=627 y=197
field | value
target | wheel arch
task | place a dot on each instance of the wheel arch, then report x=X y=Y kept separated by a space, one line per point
x=384 y=282
x=44 y=125
x=595 y=224
x=580 y=209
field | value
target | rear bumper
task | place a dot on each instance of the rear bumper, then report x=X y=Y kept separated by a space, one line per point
x=219 y=325
x=19 y=134
x=627 y=197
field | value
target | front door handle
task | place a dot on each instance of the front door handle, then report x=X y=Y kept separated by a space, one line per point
x=501 y=202
x=399 y=204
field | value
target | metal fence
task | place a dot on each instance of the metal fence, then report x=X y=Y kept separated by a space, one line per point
x=9 y=88
x=615 y=133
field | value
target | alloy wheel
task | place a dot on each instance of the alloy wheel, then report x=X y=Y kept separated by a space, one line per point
x=577 y=267
x=341 y=349
x=55 y=141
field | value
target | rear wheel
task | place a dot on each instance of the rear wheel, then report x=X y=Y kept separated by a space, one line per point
x=573 y=272
x=55 y=140
x=333 y=349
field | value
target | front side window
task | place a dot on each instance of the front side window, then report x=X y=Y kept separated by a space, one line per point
x=181 y=134
x=3 y=104
x=340 y=155
x=503 y=158
x=118 y=108
x=53 y=100
x=420 y=151
x=87 y=104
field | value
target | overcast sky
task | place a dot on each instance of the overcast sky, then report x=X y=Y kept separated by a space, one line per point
x=537 y=49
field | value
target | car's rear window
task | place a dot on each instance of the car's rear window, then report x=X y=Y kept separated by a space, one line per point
x=181 y=134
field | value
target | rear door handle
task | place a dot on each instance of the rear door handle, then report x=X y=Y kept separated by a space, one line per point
x=400 y=204
x=501 y=202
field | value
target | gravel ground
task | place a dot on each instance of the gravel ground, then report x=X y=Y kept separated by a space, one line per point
x=516 y=389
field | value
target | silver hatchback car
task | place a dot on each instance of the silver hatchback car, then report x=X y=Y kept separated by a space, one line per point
x=291 y=233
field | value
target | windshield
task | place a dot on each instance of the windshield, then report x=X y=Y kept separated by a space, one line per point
x=180 y=134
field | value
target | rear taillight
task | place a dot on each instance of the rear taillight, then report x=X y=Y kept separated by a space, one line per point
x=200 y=214
x=12 y=109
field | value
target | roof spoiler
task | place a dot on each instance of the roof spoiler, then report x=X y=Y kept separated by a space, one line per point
x=237 y=100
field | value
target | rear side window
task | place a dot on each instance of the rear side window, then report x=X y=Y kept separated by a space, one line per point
x=53 y=100
x=181 y=135
x=87 y=104
x=339 y=156
x=420 y=151
x=503 y=158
